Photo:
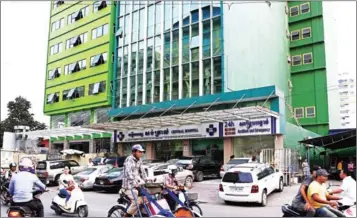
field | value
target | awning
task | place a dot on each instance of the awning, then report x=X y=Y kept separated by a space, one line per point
x=246 y=113
x=69 y=133
x=335 y=141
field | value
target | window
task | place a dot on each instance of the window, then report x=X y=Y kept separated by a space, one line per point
x=77 y=40
x=310 y=112
x=98 y=59
x=55 y=49
x=99 y=5
x=307 y=58
x=53 y=98
x=305 y=8
x=56 y=4
x=76 y=16
x=100 y=31
x=263 y=174
x=296 y=60
x=306 y=32
x=294 y=11
x=57 y=24
x=73 y=93
x=96 y=88
x=53 y=74
x=75 y=67
x=206 y=12
x=295 y=35
x=195 y=41
x=299 y=112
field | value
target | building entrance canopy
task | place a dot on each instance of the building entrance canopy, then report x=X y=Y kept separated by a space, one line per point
x=69 y=133
x=245 y=121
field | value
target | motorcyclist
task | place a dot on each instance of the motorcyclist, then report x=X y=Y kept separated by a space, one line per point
x=21 y=187
x=301 y=203
x=12 y=171
x=134 y=176
x=347 y=190
x=171 y=183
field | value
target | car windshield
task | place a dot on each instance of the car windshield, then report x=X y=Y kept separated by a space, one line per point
x=172 y=161
x=87 y=171
x=238 y=161
x=41 y=166
x=115 y=172
x=184 y=162
x=238 y=177
x=97 y=159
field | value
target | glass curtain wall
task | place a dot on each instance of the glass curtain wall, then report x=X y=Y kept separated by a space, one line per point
x=165 y=35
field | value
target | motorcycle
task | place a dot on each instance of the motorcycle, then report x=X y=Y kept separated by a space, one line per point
x=4 y=191
x=23 y=211
x=190 y=203
x=77 y=204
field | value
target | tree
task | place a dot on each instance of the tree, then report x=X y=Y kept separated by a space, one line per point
x=19 y=115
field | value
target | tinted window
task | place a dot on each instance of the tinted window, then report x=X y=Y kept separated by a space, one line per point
x=41 y=166
x=263 y=174
x=73 y=163
x=238 y=161
x=271 y=170
x=206 y=160
x=56 y=165
x=160 y=172
x=115 y=172
x=116 y=169
x=239 y=177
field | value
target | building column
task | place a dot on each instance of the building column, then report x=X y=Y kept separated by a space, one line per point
x=91 y=149
x=150 y=152
x=279 y=142
x=120 y=150
x=65 y=144
x=187 y=148
x=50 y=146
x=227 y=148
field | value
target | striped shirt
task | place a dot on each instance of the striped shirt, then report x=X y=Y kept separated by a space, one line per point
x=134 y=172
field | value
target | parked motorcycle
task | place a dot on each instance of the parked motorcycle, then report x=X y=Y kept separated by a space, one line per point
x=4 y=191
x=76 y=202
x=23 y=211
x=190 y=203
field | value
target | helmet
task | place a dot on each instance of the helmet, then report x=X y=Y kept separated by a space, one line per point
x=172 y=169
x=137 y=147
x=13 y=164
x=26 y=164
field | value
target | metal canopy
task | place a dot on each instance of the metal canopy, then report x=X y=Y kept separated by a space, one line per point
x=63 y=132
x=246 y=113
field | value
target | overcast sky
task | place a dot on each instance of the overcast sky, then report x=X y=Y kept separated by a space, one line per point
x=24 y=35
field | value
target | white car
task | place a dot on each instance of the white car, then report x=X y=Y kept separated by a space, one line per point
x=86 y=178
x=156 y=173
x=232 y=163
x=250 y=182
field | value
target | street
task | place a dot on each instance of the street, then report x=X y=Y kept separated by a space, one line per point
x=99 y=203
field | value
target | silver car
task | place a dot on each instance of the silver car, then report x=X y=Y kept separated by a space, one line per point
x=86 y=178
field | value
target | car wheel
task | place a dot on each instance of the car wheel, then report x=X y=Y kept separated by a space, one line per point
x=188 y=181
x=264 y=200
x=199 y=176
x=56 y=180
x=281 y=185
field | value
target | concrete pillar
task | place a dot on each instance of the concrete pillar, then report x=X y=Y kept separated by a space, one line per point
x=50 y=146
x=120 y=150
x=65 y=144
x=279 y=142
x=150 y=151
x=187 y=148
x=92 y=148
x=228 y=149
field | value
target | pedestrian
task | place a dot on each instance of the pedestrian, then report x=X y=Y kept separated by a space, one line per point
x=90 y=162
x=254 y=159
x=305 y=169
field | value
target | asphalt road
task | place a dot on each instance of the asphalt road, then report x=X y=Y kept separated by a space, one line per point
x=100 y=203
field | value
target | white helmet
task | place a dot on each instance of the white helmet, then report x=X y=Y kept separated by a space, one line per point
x=26 y=163
x=172 y=169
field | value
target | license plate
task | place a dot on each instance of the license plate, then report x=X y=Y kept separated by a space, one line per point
x=101 y=182
x=237 y=189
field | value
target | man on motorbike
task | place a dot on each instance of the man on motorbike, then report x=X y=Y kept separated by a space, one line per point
x=172 y=184
x=300 y=203
x=347 y=189
x=21 y=187
x=134 y=176
x=323 y=203
x=12 y=171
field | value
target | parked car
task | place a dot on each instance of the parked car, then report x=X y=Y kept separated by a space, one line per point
x=250 y=182
x=232 y=163
x=49 y=171
x=86 y=178
x=111 y=181
x=148 y=161
x=201 y=166
x=157 y=172
x=98 y=161
x=172 y=161
x=115 y=161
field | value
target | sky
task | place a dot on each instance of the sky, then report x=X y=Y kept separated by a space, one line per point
x=24 y=35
